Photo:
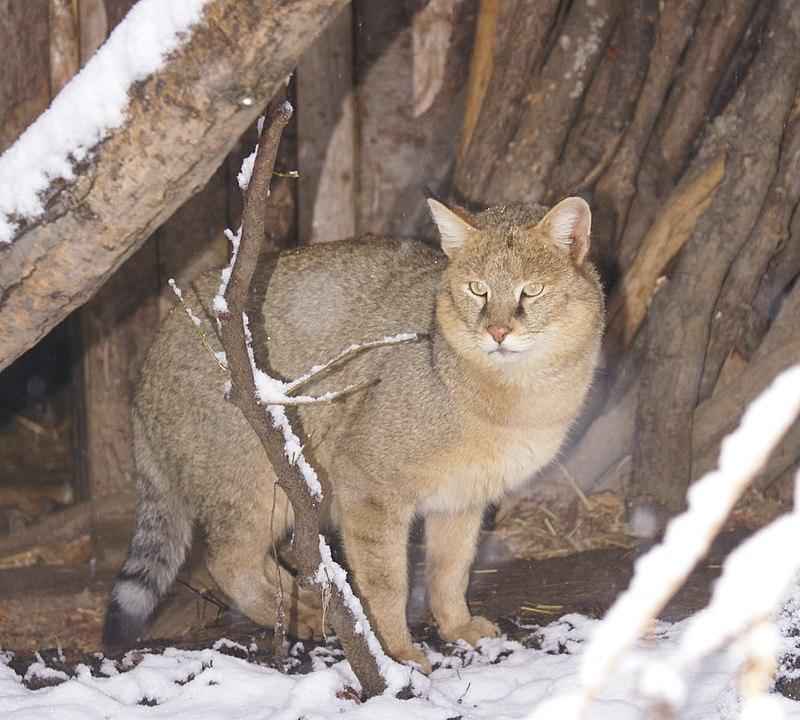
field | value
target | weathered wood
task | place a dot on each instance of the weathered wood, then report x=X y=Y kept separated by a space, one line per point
x=481 y=68
x=522 y=31
x=522 y=172
x=65 y=52
x=64 y=527
x=326 y=126
x=630 y=300
x=749 y=133
x=400 y=153
x=116 y=327
x=733 y=310
x=193 y=108
x=92 y=25
x=686 y=110
x=607 y=110
x=617 y=186
x=25 y=80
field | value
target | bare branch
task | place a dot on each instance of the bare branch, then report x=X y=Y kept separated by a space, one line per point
x=345 y=355
x=294 y=475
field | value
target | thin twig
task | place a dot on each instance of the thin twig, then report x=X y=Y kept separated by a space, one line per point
x=197 y=324
x=346 y=354
x=279 y=629
x=581 y=495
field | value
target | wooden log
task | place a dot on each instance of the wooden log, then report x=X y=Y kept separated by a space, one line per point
x=64 y=528
x=327 y=135
x=400 y=152
x=522 y=170
x=116 y=327
x=630 y=300
x=517 y=52
x=65 y=42
x=25 y=80
x=691 y=102
x=192 y=109
x=607 y=110
x=749 y=132
x=733 y=310
x=92 y=25
x=617 y=186
x=481 y=68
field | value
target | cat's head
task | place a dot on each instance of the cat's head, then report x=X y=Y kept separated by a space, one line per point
x=518 y=286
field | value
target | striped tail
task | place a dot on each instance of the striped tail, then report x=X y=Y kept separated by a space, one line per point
x=160 y=542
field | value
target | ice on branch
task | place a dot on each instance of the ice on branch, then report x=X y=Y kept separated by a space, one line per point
x=220 y=304
x=291 y=443
x=397 y=676
x=688 y=537
x=92 y=105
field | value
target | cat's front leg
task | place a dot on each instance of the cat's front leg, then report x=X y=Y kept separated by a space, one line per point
x=375 y=533
x=450 y=542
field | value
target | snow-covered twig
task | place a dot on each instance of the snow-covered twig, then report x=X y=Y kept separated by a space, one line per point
x=346 y=355
x=751 y=584
x=219 y=357
x=285 y=451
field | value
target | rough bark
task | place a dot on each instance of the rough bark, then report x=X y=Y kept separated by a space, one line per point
x=521 y=32
x=749 y=133
x=193 y=109
x=690 y=104
x=402 y=152
x=608 y=107
x=327 y=135
x=25 y=80
x=733 y=310
x=617 y=186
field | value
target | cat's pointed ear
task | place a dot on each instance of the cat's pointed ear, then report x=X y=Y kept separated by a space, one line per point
x=568 y=225
x=453 y=229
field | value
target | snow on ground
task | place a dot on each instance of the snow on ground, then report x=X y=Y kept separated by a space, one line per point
x=503 y=679
x=90 y=106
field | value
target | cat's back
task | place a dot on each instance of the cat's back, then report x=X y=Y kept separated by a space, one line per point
x=315 y=301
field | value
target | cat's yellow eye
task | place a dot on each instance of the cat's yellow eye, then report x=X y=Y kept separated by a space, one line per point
x=481 y=289
x=532 y=290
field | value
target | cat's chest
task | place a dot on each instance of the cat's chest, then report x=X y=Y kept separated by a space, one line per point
x=487 y=463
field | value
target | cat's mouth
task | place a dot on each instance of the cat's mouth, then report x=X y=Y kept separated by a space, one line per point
x=503 y=353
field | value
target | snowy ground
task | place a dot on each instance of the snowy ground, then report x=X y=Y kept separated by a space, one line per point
x=503 y=679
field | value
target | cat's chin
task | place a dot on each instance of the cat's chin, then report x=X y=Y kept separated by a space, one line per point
x=504 y=355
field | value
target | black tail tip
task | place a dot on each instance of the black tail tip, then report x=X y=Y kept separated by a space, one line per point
x=121 y=629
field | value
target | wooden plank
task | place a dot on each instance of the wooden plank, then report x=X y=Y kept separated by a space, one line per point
x=327 y=135
x=408 y=131
x=116 y=326
x=25 y=80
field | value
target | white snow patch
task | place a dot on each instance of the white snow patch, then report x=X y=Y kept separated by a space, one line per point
x=92 y=104
x=523 y=683
x=330 y=572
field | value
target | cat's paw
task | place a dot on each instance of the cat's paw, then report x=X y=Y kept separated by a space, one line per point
x=478 y=627
x=414 y=655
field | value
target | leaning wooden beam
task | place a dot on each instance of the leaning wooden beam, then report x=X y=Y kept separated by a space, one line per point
x=181 y=122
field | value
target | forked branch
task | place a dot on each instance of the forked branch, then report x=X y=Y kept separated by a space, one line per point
x=294 y=475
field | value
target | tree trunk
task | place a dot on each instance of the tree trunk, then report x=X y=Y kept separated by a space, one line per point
x=672 y=120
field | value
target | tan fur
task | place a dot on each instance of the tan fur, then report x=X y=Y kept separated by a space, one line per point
x=445 y=428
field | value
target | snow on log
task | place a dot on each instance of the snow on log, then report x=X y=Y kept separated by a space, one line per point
x=94 y=196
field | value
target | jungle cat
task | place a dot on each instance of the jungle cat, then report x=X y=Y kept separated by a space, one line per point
x=511 y=314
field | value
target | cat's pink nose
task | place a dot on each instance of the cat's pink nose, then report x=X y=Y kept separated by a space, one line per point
x=498 y=332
